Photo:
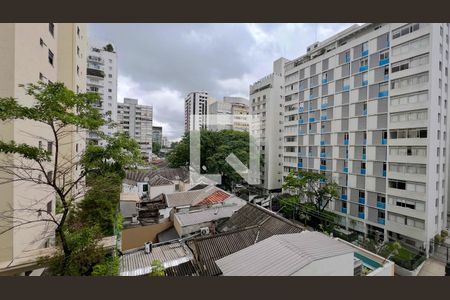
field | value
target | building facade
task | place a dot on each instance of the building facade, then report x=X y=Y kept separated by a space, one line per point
x=136 y=121
x=230 y=113
x=47 y=52
x=266 y=101
x=102 y=79
x=157 y=134
x=195 y=111
x=368 y=109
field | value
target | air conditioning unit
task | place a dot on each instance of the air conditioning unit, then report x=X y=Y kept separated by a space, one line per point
x=204 y=231
x=134 y=219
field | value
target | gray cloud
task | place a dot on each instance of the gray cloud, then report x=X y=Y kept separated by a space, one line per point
x=160 y=63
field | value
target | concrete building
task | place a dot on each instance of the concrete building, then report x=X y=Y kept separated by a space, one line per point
x=31 y=53
x=102 y=79
x=266 y=100
x=157 y=135
x=368 y=108
x=230 y=113
x=195 y=111
x=136 y=121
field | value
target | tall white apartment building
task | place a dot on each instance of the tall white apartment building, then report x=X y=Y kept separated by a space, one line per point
x=368 y=108
x=102 y=79
x=31 y=53
x=266 y=101
x=195 y=111
x=137 y=121
x=230 y=113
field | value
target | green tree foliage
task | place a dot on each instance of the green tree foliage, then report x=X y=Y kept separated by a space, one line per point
x=215 y=146
x=156 y=147
x=62 y=111
x=100 y=204
x=157 y=269
x=109 y=48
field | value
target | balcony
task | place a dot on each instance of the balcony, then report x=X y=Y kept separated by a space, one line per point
x=381 y=205
x=322 y=130
x=383 y=94
x=347 y=59
x=346 y=142
x=323 y=154
x=311 y=97
x=300 y=165
x=301 y=121
x=384 y=141
x=364 y=113
x=384 y=173
x=346 y=88
x=383 y=61
x=363 y=156
x=343 y=210
x=361 y=215
x=324 y=105
x=312 y=120
x=345 y=169
x=365 y=53
x=386 y=77
x=344 y=197
x=362 y=171
x=95 y=72
x=322 y=142
x=301 y=109
x=381 y=221
x=323 y=168
x=324 y=81
x=363 y=68
x=323 y=117
x=362 y=200
x=300 y=132
x=364 y=82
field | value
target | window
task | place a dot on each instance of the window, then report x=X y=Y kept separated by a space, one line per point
x=405 y=30
x=49 y=207
x=365 y=46
x=110 y=76
x=76 y=147
x=384 y=55
x=363 y=62
x=51 y=28
x=50 y=147
x=416 y=44
x=50 y=175
x=409 y=99
x=50 y=57
x=78 y=31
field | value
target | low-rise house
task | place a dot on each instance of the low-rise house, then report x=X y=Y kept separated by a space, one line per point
x=129 y=206
x=203 y=220
x=151 y=183
x=299 y=254
x=175 y=257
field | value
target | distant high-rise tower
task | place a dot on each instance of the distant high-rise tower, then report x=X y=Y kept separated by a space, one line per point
x=195 y=111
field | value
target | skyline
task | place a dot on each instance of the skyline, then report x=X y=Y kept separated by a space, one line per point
x=223 y=59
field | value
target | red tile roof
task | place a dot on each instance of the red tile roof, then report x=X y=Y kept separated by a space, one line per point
x=216 y=197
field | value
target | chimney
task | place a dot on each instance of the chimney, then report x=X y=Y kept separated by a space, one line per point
x=148 y=247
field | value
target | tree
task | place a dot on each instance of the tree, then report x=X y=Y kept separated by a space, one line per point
x=157 y=269
x=314 y=187
x=215 y=146
x=64 y=113
x=109 y=48
x=156 y=147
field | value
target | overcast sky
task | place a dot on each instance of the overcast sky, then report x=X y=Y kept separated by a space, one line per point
x=159 y=64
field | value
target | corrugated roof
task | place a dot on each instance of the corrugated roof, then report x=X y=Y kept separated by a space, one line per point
x=205 y=215
x=136 y=262
x=197 y=197
x=129 y=197
x=167 y=173
x=282 y=255
x=158 y=180
x=247 y=226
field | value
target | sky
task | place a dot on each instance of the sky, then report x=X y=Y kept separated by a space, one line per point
x=159 y=64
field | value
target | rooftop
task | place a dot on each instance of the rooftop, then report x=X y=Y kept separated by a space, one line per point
x=206 y=196
x=282 y=255
x=129 y=197
x=170 y=174
x=136 y=262
x=205 y=215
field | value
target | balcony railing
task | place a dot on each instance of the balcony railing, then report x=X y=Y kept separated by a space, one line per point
x=362 y=200
x=324 y=105
x=384 y=141
x=381 y=221
x=346 y=88
x=323 y=168
x=381 y=205
x=344 y=197
x=323 y=117
x=365 y=53
x=361 y=215
x=384 y=61
x=383 y=94
x=312 y=120
x=343 y=210
x=345 y=142
x=363 y=68
x=363 y=172
x=345 y=169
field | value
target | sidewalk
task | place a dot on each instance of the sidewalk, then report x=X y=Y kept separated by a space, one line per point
x=432 y=267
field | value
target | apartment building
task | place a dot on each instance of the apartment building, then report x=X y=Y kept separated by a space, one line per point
x=266 y=101
x=195 y=111
x=157 y=134
x=229 y=113
x=136 y=120
x=102 y=79
x=368 y=108
x=31 y=53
